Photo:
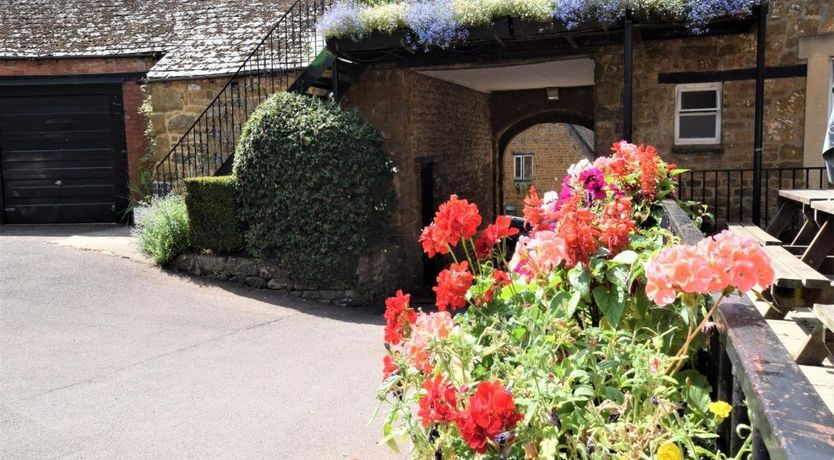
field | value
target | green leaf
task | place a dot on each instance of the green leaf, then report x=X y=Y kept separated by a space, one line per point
x=573 y=304
x=580 y=279
x=584 y=391
x=519 y=332
x=611 y=302
x=389 y=437
x=625 y=257
x=614 y=394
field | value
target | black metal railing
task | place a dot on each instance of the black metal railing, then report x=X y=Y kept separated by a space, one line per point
x=729 y=192
x=748 y=367
x=289 y=47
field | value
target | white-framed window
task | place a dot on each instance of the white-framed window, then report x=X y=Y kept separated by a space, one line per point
x=522 y=166
x=698 y=114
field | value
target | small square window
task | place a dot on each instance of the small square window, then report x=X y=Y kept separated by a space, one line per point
x=698 y=114
x=522 y=167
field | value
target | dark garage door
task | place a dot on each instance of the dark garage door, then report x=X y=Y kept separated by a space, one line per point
x=63 y=154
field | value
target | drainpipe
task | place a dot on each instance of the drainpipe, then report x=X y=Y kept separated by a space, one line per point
x=761 y=37
x=628 y=73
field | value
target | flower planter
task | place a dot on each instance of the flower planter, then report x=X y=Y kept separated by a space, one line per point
x=523 y=28
x=373 y=41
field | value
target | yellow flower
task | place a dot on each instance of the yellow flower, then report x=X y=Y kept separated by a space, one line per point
x=721 y=409
x=669 y=451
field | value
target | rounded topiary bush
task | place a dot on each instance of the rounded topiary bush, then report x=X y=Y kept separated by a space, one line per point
x=314 y=186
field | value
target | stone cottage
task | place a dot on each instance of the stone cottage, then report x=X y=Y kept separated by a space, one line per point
x=477 y=120
x=73 y=78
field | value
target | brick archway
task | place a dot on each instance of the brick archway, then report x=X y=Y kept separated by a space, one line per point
x=513 y=112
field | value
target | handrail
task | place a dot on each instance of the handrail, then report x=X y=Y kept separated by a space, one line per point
x=728 y=191
x=287 y=48
x=749 y=363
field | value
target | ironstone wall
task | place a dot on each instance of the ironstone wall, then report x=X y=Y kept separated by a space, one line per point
x=784 y=117
x=424 y=119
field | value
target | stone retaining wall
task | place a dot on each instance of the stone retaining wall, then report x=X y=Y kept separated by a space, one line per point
x=375 y=278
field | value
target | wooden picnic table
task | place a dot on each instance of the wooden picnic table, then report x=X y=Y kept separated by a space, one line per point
x=796 y=285
x=791 y=201
x=822 y=243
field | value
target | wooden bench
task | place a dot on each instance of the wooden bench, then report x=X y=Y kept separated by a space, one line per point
x=795 y=284
x=755 y=233
x=820 y=344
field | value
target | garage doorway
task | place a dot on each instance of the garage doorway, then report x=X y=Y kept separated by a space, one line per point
x=62 y=154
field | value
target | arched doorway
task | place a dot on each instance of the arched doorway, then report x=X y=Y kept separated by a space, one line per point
x=537 y=151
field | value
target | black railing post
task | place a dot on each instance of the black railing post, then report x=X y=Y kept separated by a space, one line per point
x=761 y=37
x=628 y=75
x=335 y=82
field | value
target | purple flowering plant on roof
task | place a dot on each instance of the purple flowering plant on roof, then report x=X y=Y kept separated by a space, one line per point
x=444 y=23
x=701 y=12
x=433 y=24
x=342 y=20
x=573 y=13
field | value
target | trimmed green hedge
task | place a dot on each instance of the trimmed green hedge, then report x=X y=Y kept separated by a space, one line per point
x=314 y=187
x=212 y=213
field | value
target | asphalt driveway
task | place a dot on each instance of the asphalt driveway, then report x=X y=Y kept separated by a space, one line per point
x=104 y=357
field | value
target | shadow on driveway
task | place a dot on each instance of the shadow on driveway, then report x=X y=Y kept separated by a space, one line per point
x=364 y=314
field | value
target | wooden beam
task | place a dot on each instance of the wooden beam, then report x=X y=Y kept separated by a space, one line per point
x=790 y=71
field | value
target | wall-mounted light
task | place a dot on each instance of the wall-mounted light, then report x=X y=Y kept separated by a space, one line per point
x=553 y=94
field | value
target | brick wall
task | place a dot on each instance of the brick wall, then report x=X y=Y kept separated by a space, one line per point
x=423 y=119
x=135 y=122
x=554 y=147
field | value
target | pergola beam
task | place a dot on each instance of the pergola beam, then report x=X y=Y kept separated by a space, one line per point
x=761 y=37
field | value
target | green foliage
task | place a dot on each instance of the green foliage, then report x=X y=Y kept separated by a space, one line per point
x=314 y=186
x=140 y=187
x=212 y=214
x=163 y=232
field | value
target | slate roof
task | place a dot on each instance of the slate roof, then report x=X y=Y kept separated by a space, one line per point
x=195 y=37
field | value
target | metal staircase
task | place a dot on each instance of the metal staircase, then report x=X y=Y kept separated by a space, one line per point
x=291 y=57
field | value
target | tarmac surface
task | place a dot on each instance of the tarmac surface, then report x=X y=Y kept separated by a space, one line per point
x=110 y=357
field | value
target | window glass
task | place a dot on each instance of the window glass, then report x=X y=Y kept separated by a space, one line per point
x=697 y=126
x=691 y=100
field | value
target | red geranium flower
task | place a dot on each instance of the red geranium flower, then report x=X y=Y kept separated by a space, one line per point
x=439 y=404
x=398 y=317
x=499 y=279
x=452 y=285
x=490 y=412
x=434 y=241
x=389 y=366
x=492 y=234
